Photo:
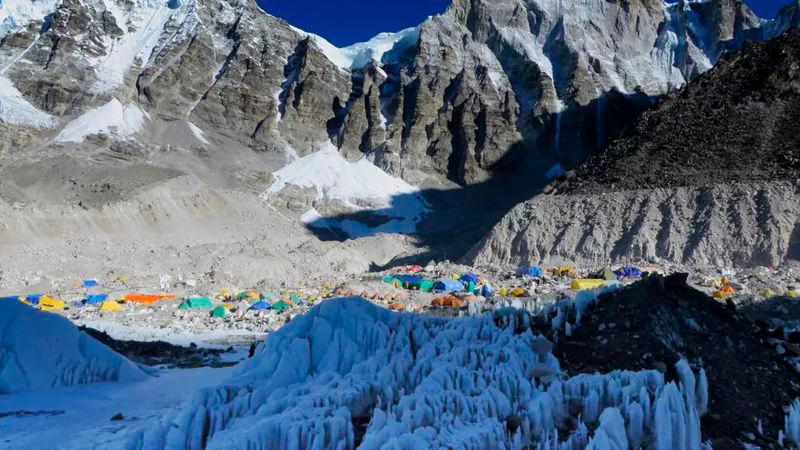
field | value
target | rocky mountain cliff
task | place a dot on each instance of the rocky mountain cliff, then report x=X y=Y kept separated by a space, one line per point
x=466 y=95
x=709 y=175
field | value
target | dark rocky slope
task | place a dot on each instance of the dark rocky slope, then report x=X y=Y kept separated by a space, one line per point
x=736 y=123
x=707 y=176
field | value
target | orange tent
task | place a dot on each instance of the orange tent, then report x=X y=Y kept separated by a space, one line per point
x=727 y=290
x=148 y=299
x=397 y=307
x=447 y=301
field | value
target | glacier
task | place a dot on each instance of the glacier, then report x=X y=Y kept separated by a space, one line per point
x=41 y=350
x=416 y=381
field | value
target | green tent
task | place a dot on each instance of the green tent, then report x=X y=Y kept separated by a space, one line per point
x=471 y=287
x=219 y=311
x=280 y=306
x=196 y=303
x=296 y=299
x=604 y=274
x=426 y=285
x=389 y=279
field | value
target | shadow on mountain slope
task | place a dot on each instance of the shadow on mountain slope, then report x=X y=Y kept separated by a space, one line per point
x=460 y=217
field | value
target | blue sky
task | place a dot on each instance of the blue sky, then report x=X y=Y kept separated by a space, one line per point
x=344 y=22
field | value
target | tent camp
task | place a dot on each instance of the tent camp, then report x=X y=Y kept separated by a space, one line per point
x=446 y=286
x=196 y=303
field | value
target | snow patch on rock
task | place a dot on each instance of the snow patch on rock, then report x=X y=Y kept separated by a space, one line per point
x=197 y=132
x=41 y=350
x=112 y=118
x=422 y=382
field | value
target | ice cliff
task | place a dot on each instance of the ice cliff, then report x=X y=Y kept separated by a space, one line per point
x=41 y=350
x=350 y=374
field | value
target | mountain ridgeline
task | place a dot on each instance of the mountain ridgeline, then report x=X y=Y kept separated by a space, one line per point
x=483 y=89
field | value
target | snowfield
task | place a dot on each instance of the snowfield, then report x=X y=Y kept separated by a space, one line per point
x=358 y=185
x=112 y=118
x=382 y=48
x=416 y=381
x=41 y=350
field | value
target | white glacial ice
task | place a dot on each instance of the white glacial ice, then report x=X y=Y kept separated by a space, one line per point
x=41 y=350
x=422 y=382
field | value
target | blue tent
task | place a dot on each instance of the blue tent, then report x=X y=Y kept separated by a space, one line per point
x=261 y=306
x=411 y=279
x=627 y=272
x=446 y=286
x=487 y=291
x=10 y=297
x=96 y=298
x=468 y=278
x=89 y=283
x=33 y=299
x=534 y=272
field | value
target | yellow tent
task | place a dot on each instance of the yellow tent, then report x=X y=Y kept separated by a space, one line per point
x=517 y=292
x=587 y=283
x=791 y=294
x=47 y=303
x=110 y=306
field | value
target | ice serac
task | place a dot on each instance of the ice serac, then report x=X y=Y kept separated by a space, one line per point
x=725 y=191
x=414 y=381
x=41 y=350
